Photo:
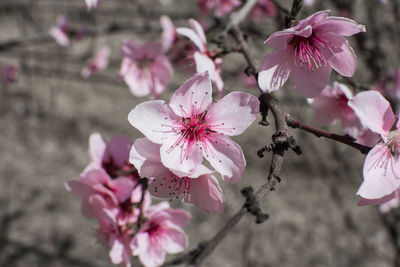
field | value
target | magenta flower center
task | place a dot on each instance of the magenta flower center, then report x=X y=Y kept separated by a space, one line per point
x=308 y=52
x=194 y=128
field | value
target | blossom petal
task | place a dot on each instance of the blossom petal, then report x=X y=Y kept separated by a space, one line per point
x=381 y=173
x=169 y=32
x=196 y=26
x=97 y=148
x=149 y=118
x=374 y=111
x=233 y=113
x=204 y=63
x=193 y=97
x=339 y=26
x=193 y=36
x=274 y=71
x=173 y=240
x=344 y=61
x=206 y=193
x=145 y=156
x=366 y=202
x=118 y=149
x=225 y=156
x=180 y=157
x=310 y=83
x=117 y=250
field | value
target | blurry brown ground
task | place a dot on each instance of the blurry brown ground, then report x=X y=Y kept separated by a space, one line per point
x=48 y=114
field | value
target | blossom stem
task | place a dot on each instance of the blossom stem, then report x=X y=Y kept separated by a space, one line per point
x=345 y=139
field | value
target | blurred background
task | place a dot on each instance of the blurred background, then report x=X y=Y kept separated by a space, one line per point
x=48 y=112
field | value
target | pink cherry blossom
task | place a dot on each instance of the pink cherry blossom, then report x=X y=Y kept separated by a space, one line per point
x=382 y=165
x=221 y=7
x=169 y=34
x=145 y=69
x=306 y=53
x=61 y=31
x=98 y=63
x=188 y=127
x=99 y=191
x=263 y=8
x=161 y=234
x=331 y=105
x=200 y=187
x=8 y=74
x=204 y=59
x=90 y=4
x=112 y=157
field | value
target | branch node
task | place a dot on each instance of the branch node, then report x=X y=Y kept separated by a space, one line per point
x=263 y=110
x=253 y=206
x=294 y=146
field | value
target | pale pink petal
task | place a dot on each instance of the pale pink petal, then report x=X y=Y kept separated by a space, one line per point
x=166 y=185
x=391 y=204
x=192 y=35
x=279 y=40
x=128 y=48
x=374 y=111
x=339 y=26
x=225 y=156
x=173 y=240
x=314 y=18
x=366 y=202
x=152 y=49
x=145 y=156
x=304 y=32
x=172 y=217
x=381 y=173
x=234 y=113
x=117 y=250
x=324 y=109
x=118 y=148
x=204 y=63
x=149 y=118
x=169 y=32
x=79 y=188
x=310 y=83
x=344 y=61
x=97 y=148
x=274 y=71
x=153 y=256
x=156 y=208
x=122 y=188
x=193 y=97
x=196 y=26
x=140 y=243
x=206 y=193
x=60 y=36
x=180 y=157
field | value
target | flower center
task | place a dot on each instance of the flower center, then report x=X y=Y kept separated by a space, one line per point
x=145 y=62
x=308 y=52
x=195 y=128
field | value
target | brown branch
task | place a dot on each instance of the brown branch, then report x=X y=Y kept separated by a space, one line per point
x=344 y=139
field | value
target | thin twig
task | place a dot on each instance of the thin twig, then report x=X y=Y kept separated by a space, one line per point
x=345 y=139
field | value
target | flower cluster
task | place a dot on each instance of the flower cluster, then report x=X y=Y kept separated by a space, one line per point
x=186 y=129
x=306 y=53
x=114 y=194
